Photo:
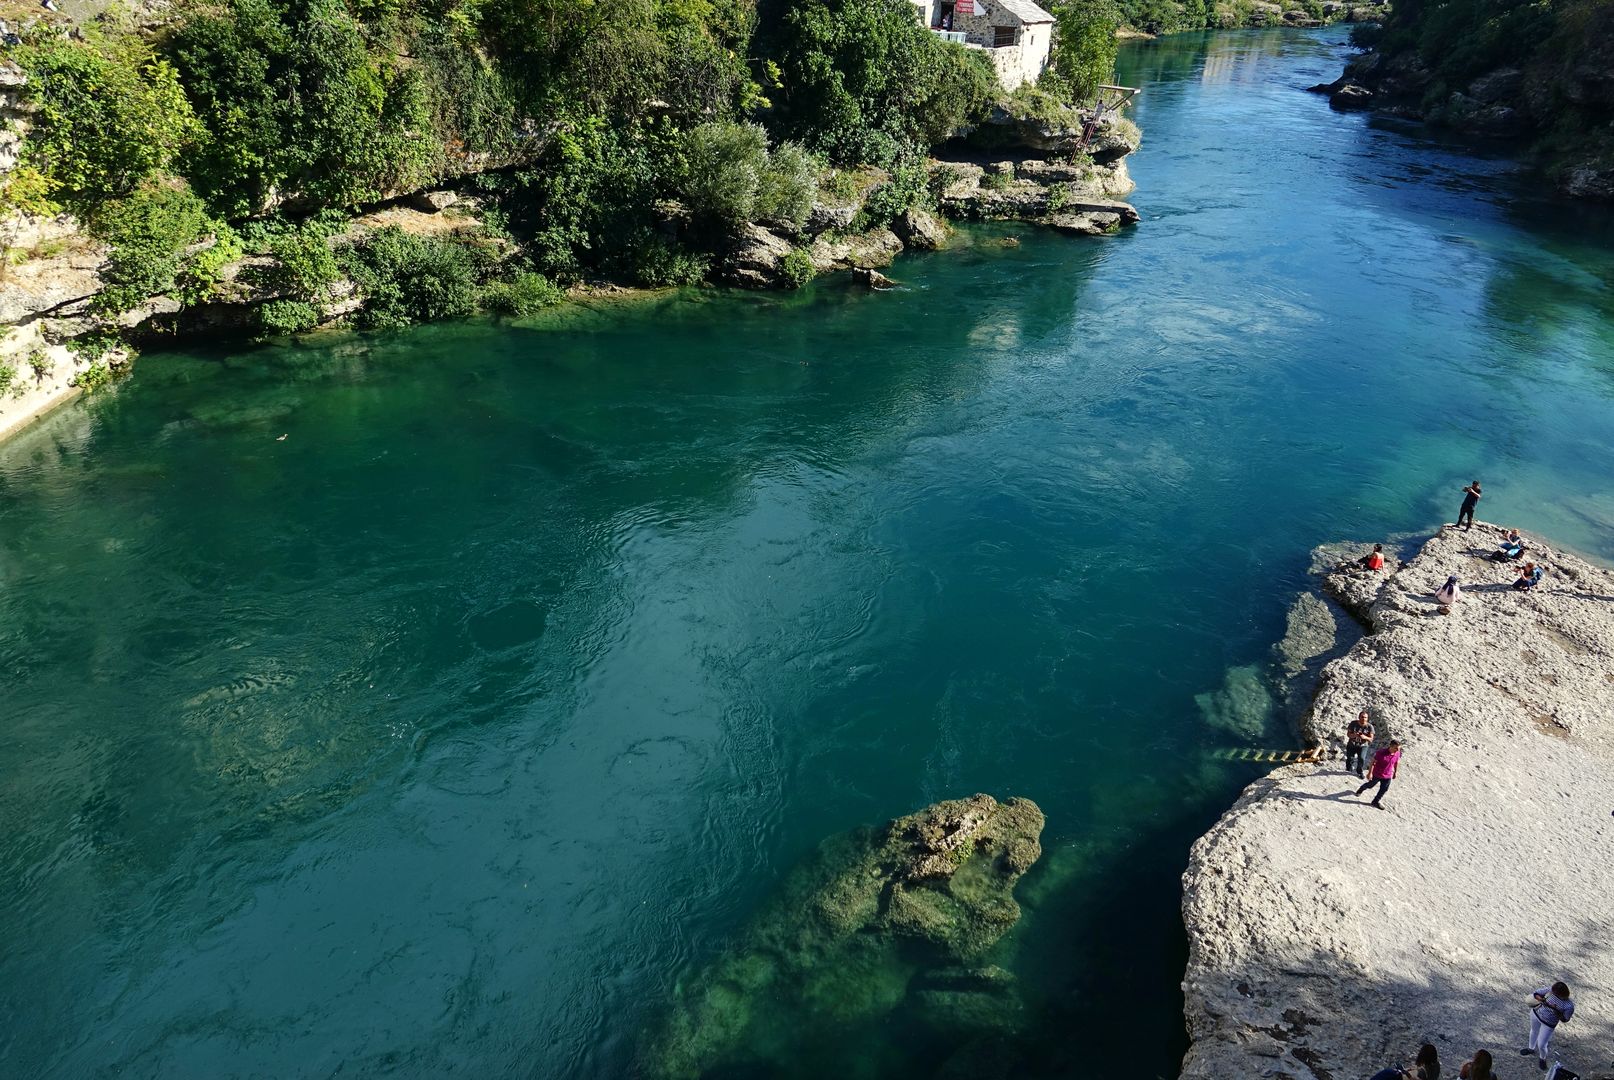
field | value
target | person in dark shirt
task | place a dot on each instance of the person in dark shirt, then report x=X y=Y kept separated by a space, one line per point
x=1358 y=737
x=1471 y=498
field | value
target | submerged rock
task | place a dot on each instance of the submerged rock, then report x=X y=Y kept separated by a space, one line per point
x=891 y=922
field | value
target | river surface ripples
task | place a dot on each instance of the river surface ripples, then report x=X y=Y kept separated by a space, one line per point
x=451 y=732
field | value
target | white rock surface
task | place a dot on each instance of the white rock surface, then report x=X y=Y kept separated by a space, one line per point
x=1328 y=939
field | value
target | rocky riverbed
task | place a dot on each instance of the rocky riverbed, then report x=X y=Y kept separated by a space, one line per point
x=1328 y=939
x=882 y=927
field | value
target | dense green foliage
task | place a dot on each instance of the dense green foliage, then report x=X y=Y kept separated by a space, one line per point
x=861 y=80
x=522 y=296
x=1561 y=47
x=1460 y=39
x=617 y=137
x=730 y=177
x=150 y=231
x=109 y=114
x=408 y=279
x=1086 y=54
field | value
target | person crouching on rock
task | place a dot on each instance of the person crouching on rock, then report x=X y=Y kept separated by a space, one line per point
x=1448 y=595
x=1385 y=761
x=1374 y=560
x=1551 y=1006
x=1358 y=737
x=1471 y=498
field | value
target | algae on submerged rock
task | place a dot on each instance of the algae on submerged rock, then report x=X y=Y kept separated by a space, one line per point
x=874 y=917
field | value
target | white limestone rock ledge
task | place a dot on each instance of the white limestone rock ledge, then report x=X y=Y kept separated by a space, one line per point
x=1328 y=939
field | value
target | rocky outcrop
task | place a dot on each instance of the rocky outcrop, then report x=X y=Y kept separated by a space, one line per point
x=872 y=279
x=754 y=258
x=1330 y=939
x=920 y=230
x=1553 y=100
x=883 y=926
x=1047 y=180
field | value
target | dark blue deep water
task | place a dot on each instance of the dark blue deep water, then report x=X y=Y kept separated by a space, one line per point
x=448 y=734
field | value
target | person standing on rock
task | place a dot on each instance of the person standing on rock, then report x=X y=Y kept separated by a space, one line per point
x=1552 y=1006
x=1358 y=737
x=1471 y=498
x=1384 y=766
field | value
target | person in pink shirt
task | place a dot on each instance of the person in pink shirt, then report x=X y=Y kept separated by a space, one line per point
x=1385 y=760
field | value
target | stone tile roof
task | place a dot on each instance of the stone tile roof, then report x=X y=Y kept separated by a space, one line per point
x=1025 y=11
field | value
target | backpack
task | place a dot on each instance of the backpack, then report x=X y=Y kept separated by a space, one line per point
x=1558 y=1072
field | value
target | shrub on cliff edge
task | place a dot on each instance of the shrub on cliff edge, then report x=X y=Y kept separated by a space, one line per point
x=409 y=279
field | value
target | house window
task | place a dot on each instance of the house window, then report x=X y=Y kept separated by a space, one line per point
x=1002 y=37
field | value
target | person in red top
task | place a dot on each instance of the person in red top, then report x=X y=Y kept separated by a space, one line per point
x=1385 y=761
x=1375 y=560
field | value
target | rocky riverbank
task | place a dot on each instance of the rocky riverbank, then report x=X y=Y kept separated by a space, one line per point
x=60 y=339
x=1545 y=85
x=1328 y=939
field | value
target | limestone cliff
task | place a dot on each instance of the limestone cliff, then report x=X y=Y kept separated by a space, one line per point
x=1328 y=939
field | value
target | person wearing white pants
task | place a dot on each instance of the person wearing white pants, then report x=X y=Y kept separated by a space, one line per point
x=1552 y=1007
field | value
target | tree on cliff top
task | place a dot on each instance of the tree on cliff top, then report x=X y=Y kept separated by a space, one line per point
x=1085 y=46
x=108 y=114
x=861 y=80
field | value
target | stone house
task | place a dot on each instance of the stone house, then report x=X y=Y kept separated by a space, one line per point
x=1016 y=35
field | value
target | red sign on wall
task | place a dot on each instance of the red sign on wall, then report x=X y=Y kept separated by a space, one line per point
x=964 y=7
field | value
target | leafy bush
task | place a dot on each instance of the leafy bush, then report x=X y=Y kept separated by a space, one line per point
x=98 y=376
x=107 y=115
x=796 y=268
x=27 y=190
x=789 y=186
x=305 y=267
x=200 y=273
x=408 y=279
x=8 y=376
x=998 y=181
x=149 y=232
x=293 y=101
x=521 y=296
x=652 y=260
x=729 y=176
x=280 y=317
x=908 y=187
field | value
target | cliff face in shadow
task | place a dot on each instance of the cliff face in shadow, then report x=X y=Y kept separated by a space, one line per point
x=1538 y=76
x=1330 y=939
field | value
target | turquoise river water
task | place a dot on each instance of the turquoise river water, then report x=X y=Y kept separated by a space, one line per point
x=447 y=734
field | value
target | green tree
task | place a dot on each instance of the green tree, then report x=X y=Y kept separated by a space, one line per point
x=295 y=103
x=861 y=79
x=1085 y=46
x=108 y=114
